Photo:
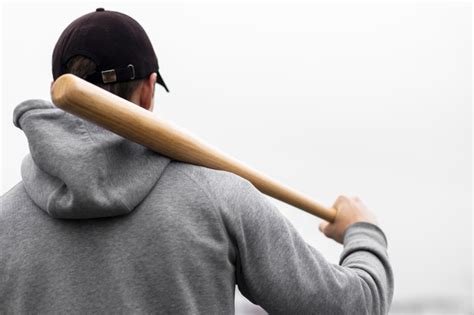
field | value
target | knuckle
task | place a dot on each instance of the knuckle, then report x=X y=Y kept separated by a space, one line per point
x=344 y=198
x=340 y=201
x=341 y=198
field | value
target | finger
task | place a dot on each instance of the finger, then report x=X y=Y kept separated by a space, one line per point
x=339 y=201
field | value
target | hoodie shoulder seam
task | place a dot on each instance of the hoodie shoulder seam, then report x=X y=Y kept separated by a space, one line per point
x=205 y=191
x=214 y=206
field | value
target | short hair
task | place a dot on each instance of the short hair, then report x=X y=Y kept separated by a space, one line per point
x=82 y=66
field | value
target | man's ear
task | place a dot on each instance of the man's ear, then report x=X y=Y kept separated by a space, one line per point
x=147 y=92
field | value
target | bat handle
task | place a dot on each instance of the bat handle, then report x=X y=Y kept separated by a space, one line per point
x=312 y=207
x=286 y=194
x=329 y=214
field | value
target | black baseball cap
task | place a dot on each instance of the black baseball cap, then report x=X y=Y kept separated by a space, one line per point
x=116 y=43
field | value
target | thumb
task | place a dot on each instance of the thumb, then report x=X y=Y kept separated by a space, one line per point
x=322 y=226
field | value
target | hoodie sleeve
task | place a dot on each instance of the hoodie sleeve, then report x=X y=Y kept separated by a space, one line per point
x=278 y=270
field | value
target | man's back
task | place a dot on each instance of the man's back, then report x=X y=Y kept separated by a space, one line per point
x=100 y=224
x=170 y=255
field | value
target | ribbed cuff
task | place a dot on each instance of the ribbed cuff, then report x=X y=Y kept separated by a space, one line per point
x=363 y=236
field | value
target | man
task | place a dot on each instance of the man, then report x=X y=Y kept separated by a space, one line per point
x=99 y=224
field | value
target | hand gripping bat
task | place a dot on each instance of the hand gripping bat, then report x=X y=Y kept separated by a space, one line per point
x=131 y=121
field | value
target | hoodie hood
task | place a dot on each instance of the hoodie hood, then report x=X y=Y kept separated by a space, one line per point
x=78 y=170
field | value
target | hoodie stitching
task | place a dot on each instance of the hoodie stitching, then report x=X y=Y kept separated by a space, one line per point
x=102 y=174
x=156 y=183
x=200 y=188
x=216 y=212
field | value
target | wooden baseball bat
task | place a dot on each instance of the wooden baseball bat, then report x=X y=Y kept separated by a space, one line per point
x=137 y=124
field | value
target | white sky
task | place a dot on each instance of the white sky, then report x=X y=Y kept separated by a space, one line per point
x=366 y=99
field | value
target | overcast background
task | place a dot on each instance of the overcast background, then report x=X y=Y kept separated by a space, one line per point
x=367 y=99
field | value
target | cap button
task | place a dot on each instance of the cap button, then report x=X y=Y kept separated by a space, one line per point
x=99 y=10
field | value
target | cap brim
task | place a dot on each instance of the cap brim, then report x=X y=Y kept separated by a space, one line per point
x=160 y=81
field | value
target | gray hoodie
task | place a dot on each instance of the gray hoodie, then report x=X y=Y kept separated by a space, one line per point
x=100 y=224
